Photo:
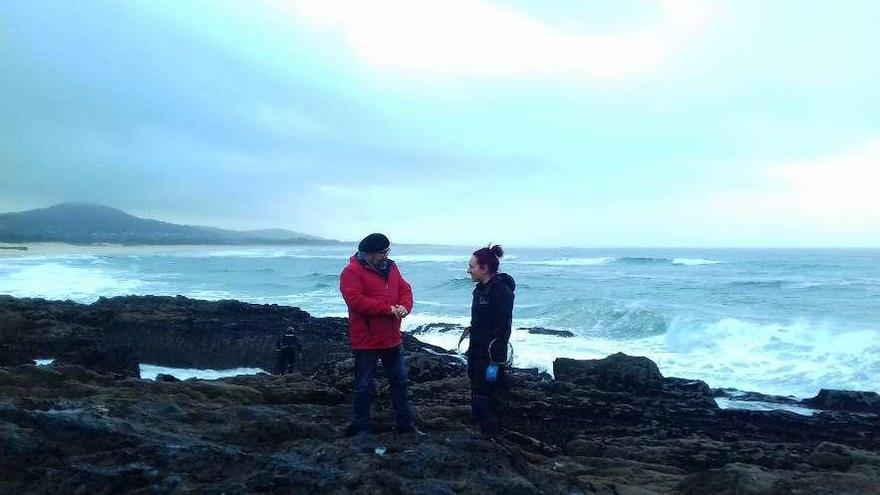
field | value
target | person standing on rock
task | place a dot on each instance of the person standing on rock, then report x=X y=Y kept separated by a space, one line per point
x=491 y=320
x=378 y=298
x=287 y=348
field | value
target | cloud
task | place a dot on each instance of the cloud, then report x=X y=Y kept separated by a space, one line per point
x=478 y=38
x=827 y=200
x=834 y=189
x=453 y=214
x=245 y=118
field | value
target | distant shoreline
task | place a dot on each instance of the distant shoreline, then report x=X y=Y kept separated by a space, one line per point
x=63 y=248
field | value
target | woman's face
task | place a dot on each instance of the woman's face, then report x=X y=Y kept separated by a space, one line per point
x=476 y=271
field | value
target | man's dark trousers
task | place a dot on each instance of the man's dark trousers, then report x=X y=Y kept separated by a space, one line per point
x=364 y=369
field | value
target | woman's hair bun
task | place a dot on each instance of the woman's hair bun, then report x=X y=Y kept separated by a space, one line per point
x=496 y=250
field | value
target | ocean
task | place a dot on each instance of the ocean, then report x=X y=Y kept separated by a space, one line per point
x=777 y=321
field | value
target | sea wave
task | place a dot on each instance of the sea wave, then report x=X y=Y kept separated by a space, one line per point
x=431 y=258
x=620 y=320
x=455 y=284
x=210 y=295
x=639 y=260
x=58 y=281
x=794 y=359
x=419 y=303
x=626 y=260
x=765 y=284
x=258 y=253
x=244 y=253
x=323 y=277
x=569 y=262
x=48 y=258
x=694 y=261
x=319 y=301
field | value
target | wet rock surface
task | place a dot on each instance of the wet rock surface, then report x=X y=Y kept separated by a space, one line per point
x=90 y=427
x=616 y=372
x=548 y=331
x=846 y=400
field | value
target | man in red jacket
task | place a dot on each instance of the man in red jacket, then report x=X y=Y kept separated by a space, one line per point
x=378 y=298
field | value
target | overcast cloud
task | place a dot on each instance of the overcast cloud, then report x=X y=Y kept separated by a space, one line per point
x=632 y=123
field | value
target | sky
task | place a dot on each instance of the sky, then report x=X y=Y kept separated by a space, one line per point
x=522 y=122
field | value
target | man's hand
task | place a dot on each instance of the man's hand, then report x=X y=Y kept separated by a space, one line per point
x=399 y=311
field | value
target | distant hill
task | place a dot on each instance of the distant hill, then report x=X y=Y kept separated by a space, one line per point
x=88 y=223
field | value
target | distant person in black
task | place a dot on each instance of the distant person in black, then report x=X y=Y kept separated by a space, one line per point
x=491 y=320
x=286 y=349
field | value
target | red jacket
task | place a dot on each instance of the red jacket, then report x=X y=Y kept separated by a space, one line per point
x=369 y=297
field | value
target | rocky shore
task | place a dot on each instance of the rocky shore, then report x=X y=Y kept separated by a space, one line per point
x=88 y=424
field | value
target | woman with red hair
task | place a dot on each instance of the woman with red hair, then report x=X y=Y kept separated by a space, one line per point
x=491 y=320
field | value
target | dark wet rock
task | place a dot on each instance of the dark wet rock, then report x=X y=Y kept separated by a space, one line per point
x=682 y=385
x=162 y=377
x=846 y=400
x=171 y=331
x=735 y=479
x=13 y=355
x=15 y=347
x=610 y=426
x=616 y=372
x=829 y=455
x=531 y=373
x=437 y=327
x=120 y=360
x=548 y=331
x=425 y=368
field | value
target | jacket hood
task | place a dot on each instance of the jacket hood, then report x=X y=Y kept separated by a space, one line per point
x=506 y=279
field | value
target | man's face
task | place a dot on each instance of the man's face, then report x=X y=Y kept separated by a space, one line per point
x=379 y=257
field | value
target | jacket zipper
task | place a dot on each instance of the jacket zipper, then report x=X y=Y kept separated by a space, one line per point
x=380 y=274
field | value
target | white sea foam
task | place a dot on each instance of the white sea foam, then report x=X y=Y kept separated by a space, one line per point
x=777 y=355
x=58 y=281
x=319 y=301
x=48 y=258
x=209 y=295
x=446 y=340
x=261 y=252
x=796 y=359
x=150 y=371
x=530 y=350
x=694 y=261
x=726 y=403
x=332 y=314
x=44 y=362
x=420 y=318
x=232 y=253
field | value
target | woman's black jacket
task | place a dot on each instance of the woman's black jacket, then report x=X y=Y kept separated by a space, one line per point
x=491 y=318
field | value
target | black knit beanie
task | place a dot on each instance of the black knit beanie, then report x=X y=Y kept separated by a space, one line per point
x=373 y=243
